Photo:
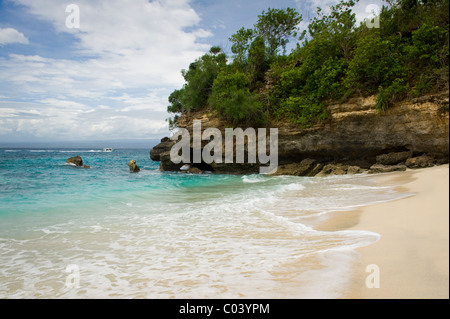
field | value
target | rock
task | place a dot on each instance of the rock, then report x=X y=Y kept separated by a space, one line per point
x=354 y=170
x=77 y=161
x=194 y=170
x=333 y=169
x=393 y=158
x=380 y=168
x=354 y=133
x=420 y=161
x=86 y=166
x=133 y=167
x=165 y=146
x=307 y=167
x=234 y=168
x=167 y=164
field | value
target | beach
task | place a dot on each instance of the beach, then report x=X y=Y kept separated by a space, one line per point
x=411 y=258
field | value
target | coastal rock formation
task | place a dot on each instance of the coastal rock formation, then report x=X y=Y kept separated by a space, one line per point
x=165 y=146
x=420 y=161
x=133 y=167
x=307 y=167
x=355 y=138
x=393 y=158
x=76 y=160
x=380 y=168
x=194 y=170
x=167 y=164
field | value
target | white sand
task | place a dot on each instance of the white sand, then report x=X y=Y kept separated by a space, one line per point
x=413 y=253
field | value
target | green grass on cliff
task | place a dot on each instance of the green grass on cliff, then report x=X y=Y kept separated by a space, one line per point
x=405 y=56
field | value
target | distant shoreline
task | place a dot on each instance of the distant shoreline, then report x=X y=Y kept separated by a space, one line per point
x=117 y=144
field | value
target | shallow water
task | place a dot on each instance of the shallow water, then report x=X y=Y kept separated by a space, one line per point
x=102 y=232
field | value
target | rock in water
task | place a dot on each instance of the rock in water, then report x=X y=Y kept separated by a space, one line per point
x=133 y=167
x=77 y=161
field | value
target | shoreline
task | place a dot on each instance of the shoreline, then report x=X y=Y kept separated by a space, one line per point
x=412 y=255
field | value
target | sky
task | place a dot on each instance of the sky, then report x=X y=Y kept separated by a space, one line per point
x=103 y=69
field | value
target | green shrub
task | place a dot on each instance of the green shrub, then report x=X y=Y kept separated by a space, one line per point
x=397 y=91
x=377 y=62
x=429 y=46
x=234 y=102
x=199 y=80
x=302 y=111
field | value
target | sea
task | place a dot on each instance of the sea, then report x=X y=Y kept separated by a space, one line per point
x=103 y=232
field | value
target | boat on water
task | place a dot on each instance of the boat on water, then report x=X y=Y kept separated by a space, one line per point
x=108 y=149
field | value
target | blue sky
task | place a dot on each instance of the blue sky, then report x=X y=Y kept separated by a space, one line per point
x=110 y=78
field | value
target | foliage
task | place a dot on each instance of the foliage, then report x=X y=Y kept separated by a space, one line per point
x=334 y=59
x=241 y=43
x=377 y=61
x=393 y=93
x=234 y=102
x=199 y=80
x=276 y=26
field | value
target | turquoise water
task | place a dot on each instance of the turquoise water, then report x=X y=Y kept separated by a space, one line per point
x=68 y=232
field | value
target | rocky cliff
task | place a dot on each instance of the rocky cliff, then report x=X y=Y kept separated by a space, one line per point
x=355 y=138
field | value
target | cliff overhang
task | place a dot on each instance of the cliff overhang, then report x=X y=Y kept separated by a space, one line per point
x=355 y=138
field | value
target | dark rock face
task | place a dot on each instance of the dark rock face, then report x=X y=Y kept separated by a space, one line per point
x=380 y=168
x=393 y=158
x=355 y=138
x=307 y=167
x=357 y=134
x=167 y=164
x=420 y=161
x=76 y=160
x=165 y=146
x=133 y=167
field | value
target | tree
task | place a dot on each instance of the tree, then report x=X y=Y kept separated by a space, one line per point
x=234 y=102
x=240 y=43
x=257 y=62
x=199 y=80
x=336 y=28
x=277 y=26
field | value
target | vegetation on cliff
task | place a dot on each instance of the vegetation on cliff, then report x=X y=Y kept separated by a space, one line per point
x=334 y=59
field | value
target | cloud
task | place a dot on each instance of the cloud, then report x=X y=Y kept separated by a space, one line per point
x=362 y=9
x=127 y=59
x=67 y=120
x=136 y=41
x=10 y=35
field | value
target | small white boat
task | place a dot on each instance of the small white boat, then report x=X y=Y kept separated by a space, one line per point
x=107 y=149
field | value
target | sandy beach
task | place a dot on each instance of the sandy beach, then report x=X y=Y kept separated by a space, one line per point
x=411 y=259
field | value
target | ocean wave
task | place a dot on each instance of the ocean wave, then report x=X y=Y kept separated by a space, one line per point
x=293 y=187
x=254 y=179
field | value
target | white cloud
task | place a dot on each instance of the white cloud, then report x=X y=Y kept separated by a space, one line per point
x=68 y=120
x=10 y=35
x=129 y=58
x=362 y=8
x=134 y=41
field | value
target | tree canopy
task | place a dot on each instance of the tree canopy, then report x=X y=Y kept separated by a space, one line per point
x=332 y=60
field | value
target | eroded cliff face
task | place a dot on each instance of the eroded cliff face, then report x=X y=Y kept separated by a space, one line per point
x=355 y=138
